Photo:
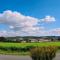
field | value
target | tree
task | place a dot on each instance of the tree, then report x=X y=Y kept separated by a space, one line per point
x=3 y=39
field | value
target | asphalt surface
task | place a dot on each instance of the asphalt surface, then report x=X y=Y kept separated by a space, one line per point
x=11 y=57
x=57 y=57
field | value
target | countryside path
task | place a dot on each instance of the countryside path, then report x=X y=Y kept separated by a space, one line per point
x=10 y=57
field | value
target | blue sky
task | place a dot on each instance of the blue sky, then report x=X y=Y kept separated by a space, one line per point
x=38 y=9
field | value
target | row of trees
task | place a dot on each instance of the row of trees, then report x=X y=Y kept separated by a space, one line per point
x=27 y=39
x=13 y=39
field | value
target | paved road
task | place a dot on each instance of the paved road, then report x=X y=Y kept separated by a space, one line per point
x=10 y=57
x=57 y=57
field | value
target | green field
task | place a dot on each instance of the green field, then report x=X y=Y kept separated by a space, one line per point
x=6 y=44
x=22 y=48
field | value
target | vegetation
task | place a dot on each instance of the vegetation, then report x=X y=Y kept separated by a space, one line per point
x=22 y=45
x=23 y=48
x=12 y=45
x=43 y=53
x=28 y=38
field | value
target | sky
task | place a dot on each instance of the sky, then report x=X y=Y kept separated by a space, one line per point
x=30 y=18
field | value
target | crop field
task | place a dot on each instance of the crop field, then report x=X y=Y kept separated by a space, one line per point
x=18 y=45
x=22 y=48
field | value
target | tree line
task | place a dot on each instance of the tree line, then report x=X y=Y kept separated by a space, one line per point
x=27 y=38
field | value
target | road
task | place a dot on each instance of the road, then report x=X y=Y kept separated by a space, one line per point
x=57 y=57
x=11 y=57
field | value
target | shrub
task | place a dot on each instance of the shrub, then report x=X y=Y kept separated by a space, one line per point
x=43 y=53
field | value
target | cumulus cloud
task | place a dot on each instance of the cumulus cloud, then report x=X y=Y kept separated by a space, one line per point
x=48 y=19
x=16 y=19
x=55 y=31
x=7 y=33
x=22 y=25
x=19 y=23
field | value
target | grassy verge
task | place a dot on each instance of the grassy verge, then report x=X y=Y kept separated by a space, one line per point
x=2 y=52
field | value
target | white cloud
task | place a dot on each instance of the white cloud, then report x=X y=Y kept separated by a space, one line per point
x=48 y=19
x=55 y=31
x=19 y=23
x=16 y=19
x=22 y=25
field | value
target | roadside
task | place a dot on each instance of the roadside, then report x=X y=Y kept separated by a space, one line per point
x=57 y=56
x=12 y=57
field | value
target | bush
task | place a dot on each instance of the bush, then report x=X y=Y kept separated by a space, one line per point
x=43 y=53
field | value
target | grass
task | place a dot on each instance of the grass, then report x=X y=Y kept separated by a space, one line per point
x=5 y=47
x=6 y=44
x=2 y=52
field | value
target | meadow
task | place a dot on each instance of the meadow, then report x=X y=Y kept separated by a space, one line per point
x=23 y=48
x=18 y=45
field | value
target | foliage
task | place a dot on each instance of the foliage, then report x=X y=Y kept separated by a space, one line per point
x=3 y=39
x=43 y=53
x=25 y=47
x=28 y=38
